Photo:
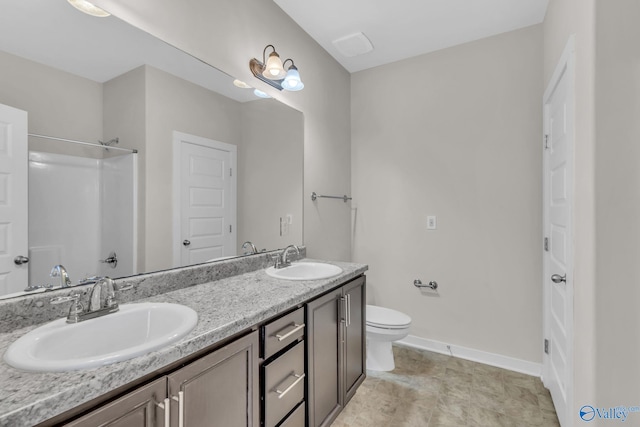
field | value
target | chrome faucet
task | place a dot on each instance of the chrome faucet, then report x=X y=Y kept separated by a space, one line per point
x=61 y=272
x=95 y=297
x=254 y=250
x=282 y=259
x=96 y=307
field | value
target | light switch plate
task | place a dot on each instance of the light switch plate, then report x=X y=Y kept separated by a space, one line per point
x=431 y=222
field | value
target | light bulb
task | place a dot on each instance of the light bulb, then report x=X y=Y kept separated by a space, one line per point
x=273 y=68
x=292 y=81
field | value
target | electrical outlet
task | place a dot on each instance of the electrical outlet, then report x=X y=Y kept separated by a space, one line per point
x=431 y=222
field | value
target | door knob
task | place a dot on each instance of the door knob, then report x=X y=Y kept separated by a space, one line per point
x=19 y=260
x=186 y=242
x=556 y=278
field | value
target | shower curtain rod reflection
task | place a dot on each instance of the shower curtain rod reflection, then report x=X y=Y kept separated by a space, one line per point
x=106 y=147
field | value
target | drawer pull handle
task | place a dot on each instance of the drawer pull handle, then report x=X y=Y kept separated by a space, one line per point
x=180 y=400
x=166 y=406
x=291 y=332
x=281 y=393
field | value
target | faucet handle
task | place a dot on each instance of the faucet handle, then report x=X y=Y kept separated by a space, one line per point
x=123 y=288
x=76 y=308
x=68 y=298
x=277 y=260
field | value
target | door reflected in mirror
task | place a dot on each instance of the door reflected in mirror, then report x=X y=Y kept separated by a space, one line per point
x=90 y=207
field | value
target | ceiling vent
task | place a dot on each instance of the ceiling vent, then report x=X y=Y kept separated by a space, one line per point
x=353 y=45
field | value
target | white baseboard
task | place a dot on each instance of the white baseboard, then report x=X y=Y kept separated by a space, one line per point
x=500 y=361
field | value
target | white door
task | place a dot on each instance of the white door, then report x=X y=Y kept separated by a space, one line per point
x=558 y=243
x=14 y=199
x=205 y=187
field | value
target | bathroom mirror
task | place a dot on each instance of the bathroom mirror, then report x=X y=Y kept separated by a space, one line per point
x=91 y=79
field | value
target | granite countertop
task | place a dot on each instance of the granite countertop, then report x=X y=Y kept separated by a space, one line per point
x=225 y=307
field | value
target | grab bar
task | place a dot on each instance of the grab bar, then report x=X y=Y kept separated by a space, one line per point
x=432 y=284
x=344 y=198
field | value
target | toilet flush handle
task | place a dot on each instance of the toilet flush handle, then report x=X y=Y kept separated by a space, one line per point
x=432 y=284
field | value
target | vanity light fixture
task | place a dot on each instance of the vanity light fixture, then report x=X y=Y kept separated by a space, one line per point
x=89 y=8
x=272 y=71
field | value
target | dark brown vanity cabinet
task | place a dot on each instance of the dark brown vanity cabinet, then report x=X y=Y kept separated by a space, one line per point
x=335 y=350
x=297 y=370
x=219 y=389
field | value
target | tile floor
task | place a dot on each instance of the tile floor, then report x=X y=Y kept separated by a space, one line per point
x=429 y=390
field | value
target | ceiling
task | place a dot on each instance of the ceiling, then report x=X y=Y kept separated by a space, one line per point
x=402 y=29
x=47 y=32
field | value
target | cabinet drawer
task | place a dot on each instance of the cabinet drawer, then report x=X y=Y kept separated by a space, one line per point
x=283 y=331
x=297 y=418
x=284 y=384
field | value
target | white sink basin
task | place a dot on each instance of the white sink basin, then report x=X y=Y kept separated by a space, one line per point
x=133 y=330
x=305 y=271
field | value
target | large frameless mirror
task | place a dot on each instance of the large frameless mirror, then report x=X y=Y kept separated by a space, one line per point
x=181 y=165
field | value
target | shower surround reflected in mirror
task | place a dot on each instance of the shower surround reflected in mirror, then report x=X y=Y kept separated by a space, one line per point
x=117 y=81
x=81 y=211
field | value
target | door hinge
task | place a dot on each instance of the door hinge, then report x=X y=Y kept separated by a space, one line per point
x=546 y=244
x=230 y=229
x=546 y=142
x=230 y=172
x=546 y=346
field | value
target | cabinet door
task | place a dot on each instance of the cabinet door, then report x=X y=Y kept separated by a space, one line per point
x=354 y=348
x=136 y=409
x=220 y=389
x=324 y=336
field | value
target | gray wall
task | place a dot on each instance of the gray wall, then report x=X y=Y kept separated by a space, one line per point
x=269 y=170
x=460 y=140
x=227 y=34
x=190 y=110
x=59 y=104
x=617 y=204
x=145 y=106
x=125 y=117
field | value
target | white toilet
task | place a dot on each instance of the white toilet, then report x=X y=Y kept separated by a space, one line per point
x=384 y=326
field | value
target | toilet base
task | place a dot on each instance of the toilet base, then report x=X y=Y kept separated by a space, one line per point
x=380 y=356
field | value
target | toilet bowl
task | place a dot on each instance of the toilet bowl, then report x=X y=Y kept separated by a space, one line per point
x=384 y=326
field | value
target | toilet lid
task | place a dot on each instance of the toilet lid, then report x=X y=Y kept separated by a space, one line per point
x=386 y=318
